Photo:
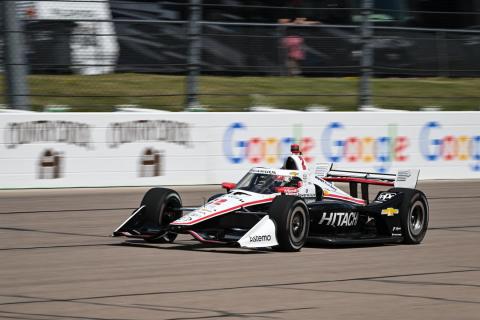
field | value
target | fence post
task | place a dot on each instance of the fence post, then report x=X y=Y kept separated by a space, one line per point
x=365 y=92
x=442 y=48
x=15 y=62
x=194 y=53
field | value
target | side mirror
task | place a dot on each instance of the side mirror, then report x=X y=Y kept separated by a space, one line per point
x=286 y=190
x=280 y=190
x=228 y=186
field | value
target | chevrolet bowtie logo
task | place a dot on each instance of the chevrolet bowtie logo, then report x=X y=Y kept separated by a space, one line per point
x=390 y=212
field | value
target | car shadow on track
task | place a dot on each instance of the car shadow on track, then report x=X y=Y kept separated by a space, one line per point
x=315 y=245
x=209 y=248
x=186 y=246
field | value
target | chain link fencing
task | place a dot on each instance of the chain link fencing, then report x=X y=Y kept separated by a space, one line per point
x=96 y=55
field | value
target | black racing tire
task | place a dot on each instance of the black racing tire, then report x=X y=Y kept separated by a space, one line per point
x=414 y=215
x=159 y=206
x=292 y=220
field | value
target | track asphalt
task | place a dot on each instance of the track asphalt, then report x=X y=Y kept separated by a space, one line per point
x=58 y=262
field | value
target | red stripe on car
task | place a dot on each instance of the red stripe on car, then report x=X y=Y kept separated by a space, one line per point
x=223 y=211
x=334 y=196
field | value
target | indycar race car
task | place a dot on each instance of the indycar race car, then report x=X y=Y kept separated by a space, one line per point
x=284 y=208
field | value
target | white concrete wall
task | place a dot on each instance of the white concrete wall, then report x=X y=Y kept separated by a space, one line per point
x=105 y=149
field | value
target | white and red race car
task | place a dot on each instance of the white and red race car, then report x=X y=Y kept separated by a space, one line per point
x=286 y=207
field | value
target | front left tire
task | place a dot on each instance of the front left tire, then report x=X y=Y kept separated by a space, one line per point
x=292 y=220
x=161 y=205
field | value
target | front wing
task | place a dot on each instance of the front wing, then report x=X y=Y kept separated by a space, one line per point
x=261 y=234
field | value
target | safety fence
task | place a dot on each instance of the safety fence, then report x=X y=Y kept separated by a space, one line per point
x=67 y=42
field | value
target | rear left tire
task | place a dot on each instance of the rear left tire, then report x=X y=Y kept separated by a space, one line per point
x=414 y=215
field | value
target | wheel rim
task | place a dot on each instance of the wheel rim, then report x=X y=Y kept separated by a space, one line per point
x=297 y=225
x=417 y=218
x=169 y=213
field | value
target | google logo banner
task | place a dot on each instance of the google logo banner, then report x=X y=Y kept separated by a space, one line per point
x=365 y=149
x=380 y=148
x=257 y=150
x=436 y=146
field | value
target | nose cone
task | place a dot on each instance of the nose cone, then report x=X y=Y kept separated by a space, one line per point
x=214 y=208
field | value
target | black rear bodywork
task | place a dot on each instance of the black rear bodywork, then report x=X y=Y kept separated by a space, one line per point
x=340 y=222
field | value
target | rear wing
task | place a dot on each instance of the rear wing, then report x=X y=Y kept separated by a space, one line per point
x=404 y=178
